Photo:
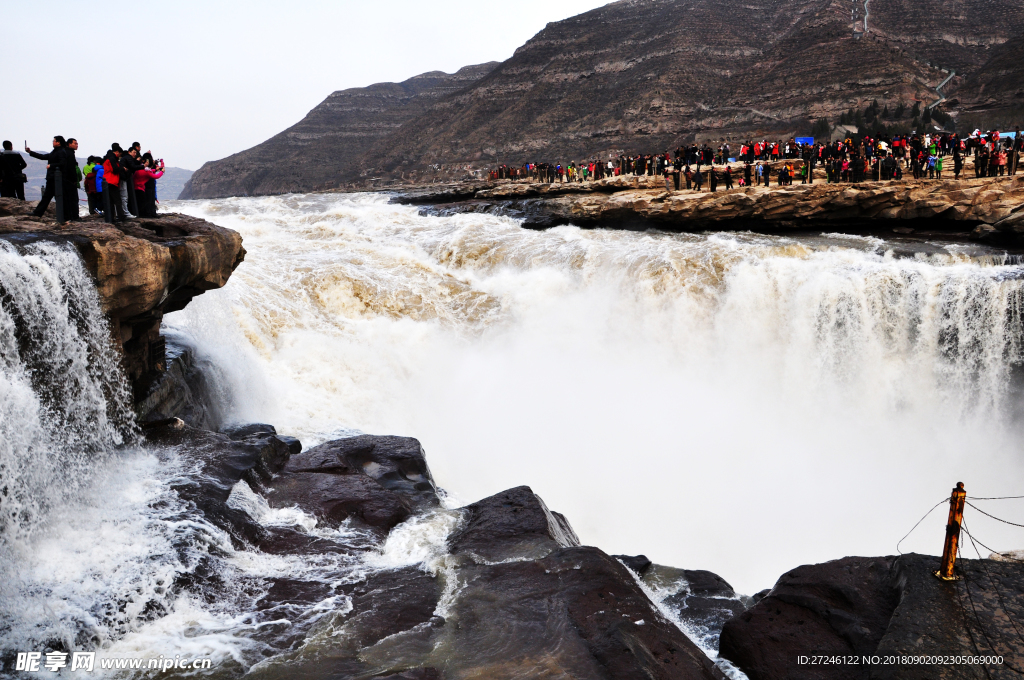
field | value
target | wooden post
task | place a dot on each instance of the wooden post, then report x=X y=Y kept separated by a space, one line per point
x=949 y=549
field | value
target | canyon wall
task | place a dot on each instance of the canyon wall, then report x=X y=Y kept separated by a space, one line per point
x=641 y=76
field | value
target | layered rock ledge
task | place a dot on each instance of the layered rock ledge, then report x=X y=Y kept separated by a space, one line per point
x=143 y=270
x=991 y=209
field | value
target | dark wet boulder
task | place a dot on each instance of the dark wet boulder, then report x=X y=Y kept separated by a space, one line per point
x=389 y=602
x=397 y=464
x=512 y=524
x=275 y=449
x=839 y=608
x=392 y=607
x=636 y=563
x=239 y=432
x=293 y=444
x=220 y=464
x=182 y=390
x=333 y=498
x=294 y=540
x=883 y=607
x=702 y=600
x=377 y=482
x=576 y=613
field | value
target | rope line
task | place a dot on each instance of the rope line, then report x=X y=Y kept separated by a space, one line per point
x=919 y=523
x=995 y=587
x=996 y=518
x=981 y=628
x=993 y=550
x=967 y=623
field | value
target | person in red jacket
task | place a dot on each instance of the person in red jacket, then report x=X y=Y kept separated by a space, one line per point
x=112 y=206
x=144 y=199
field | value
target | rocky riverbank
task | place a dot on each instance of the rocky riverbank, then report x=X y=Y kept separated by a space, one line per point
x=501 y=588
x=511 y=592
x=143 y=270
x=988 y=209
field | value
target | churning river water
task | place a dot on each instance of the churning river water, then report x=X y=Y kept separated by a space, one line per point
x=726 y=401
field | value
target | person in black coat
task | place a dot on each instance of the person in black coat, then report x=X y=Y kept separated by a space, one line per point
x=54 y=160
x=69 y=175
x=129 y=164
x=12 y=167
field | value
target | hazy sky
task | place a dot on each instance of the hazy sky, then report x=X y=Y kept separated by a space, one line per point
x=197 y=81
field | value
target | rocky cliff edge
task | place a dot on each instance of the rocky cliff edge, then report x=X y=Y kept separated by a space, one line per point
x=143 y=270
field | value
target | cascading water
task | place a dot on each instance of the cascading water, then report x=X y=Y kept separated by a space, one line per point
x=62 y=398
x=93 y=539
x=732 y=402
x=716 y=401
x=99 y=549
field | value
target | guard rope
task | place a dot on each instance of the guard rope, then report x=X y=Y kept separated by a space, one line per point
x=967 y=623
x=1004 y=521
x=944 y=500
x=995 y=586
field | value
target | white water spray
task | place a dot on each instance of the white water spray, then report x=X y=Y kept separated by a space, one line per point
x=660 y=390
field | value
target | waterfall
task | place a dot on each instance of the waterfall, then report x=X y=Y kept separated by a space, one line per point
x=64 y=402
x=726 y=401
x=619 y=373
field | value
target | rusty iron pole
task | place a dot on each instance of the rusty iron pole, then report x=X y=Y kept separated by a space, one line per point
x=949 y=549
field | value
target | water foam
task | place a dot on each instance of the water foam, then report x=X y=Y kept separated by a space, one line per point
x=658 y=389
x=63 y=399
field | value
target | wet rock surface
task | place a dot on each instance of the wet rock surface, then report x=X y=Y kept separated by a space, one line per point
x=376 y=482
x=700 y=600
x=143 y=270
x=882 y=606
x=980 y=615
x=576 y=612
x=333 y=498
x=513 y=523
x=836 y=608
x=181 y=391
x=398 y=464
x=507 y=590
x=510 y=592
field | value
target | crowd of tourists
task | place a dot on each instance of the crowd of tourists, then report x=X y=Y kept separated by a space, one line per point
x=885 y=158
x=121 y=185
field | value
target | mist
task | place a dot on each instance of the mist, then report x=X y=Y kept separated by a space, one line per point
x=738 y=403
